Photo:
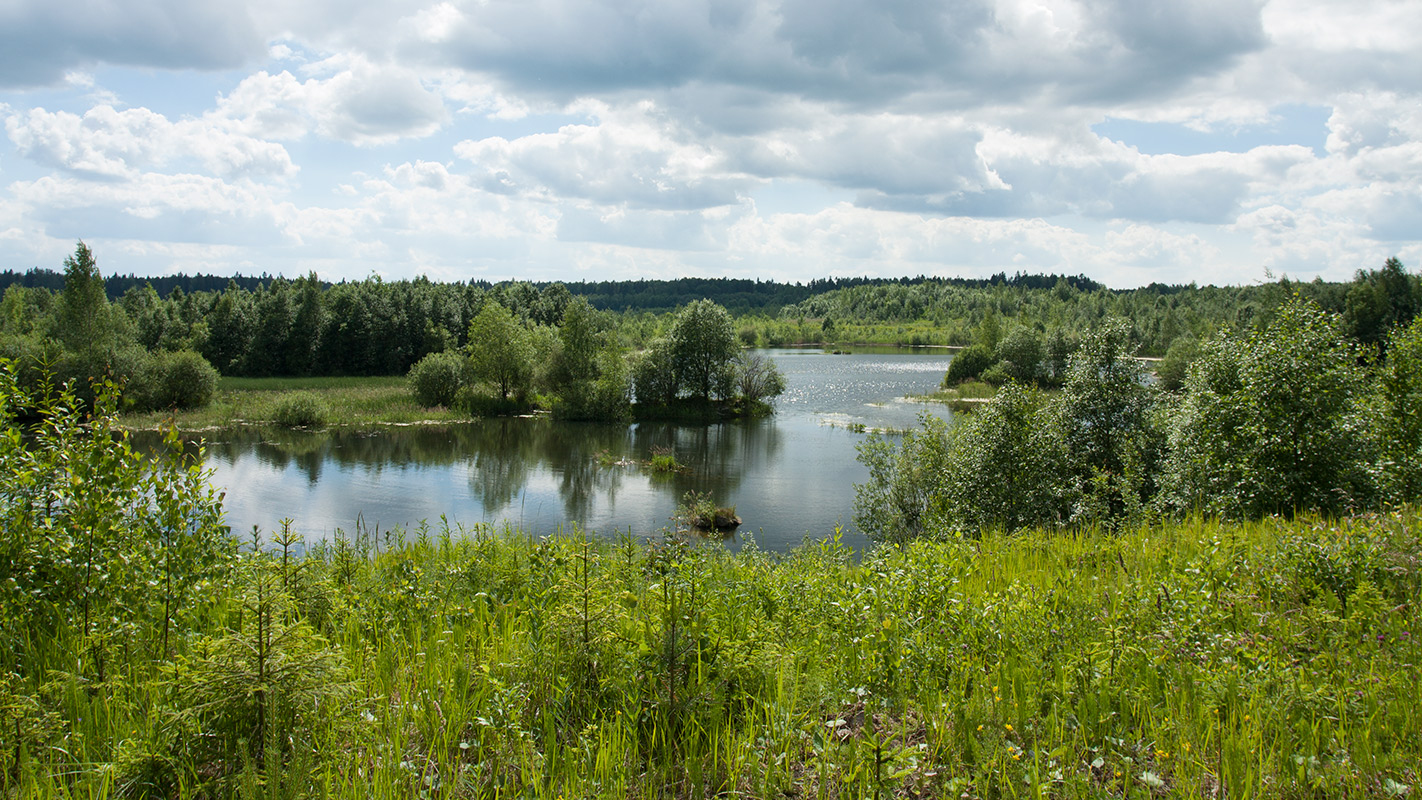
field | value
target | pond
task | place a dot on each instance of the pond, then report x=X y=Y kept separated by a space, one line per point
x=789 y=476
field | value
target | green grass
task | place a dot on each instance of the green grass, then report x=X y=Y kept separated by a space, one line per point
x=349 y=401
x=1194 y=659
x=961 y=397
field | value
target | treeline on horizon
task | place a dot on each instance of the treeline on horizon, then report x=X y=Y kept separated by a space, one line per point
x=738 y=295
x=308 y=327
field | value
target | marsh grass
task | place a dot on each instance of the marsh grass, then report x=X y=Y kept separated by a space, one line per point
x=348 y=401
x=1195 y=659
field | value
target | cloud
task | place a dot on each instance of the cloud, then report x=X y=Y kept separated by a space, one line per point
x=866 y=56
x=108 y=144
x=352 y=99
x=630 y=156
x=41 y=41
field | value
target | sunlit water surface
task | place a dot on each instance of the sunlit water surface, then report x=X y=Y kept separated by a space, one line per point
x=789 y=476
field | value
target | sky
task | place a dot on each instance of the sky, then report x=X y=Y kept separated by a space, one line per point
x=1213 y=141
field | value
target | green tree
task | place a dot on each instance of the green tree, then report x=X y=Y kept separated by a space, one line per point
x=1172 y=369
x=1108 y=430
x=1380 y=300
x=500 y=350
x=1400 y=426
x=653 y=376
x=1006 y=467
x=903 y=499
x=84 y=320
x=436 y=379
x=1275 y=421
x=99 y=538
x=967 y=364
x=757 y=378
x=1020 y=355
x=703 y=342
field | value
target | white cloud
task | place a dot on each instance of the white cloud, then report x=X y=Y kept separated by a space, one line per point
x=108 y=144
x=352 y=99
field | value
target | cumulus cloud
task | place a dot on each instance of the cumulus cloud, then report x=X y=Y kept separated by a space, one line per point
x=629 y=157
x=108 y=144
x=350 y=99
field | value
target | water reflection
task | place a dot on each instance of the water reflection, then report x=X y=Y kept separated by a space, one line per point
x=789 y=476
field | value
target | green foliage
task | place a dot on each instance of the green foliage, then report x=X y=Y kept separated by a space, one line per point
x=450 y=661
x=1175 y=366
x=1104 y=415
x=757 y=379
x=903 y=498
x=1005 y=465
x=967 y=364
x=654 y=375
x=1400 y=424
x=703 y=342
x=500 y=351
x=1021 y=353
x=300 y=410
x=1381 y=300
x=100 y=539
x=436 y=379
x=1275 y=421
x=174 y=380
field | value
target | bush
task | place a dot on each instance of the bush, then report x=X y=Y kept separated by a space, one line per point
x=181 y=379
x=903 y=498
x=1020 y=354
x=1274 y=421
x=300 y=410
x=969 y=363
x=436 y=379
x=1006 y=468
x=1400 y=426
x=757 y=377
x=1172 y=369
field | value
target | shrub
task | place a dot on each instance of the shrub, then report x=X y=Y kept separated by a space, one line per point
x=1005 y=467
x=436 y=379
x=1172 y=369
x=1021 y=354
x=300 y=410
x=757 y=377
x=1274 y=421
x=969 y=363
x=1400 y=426
x=1107 y=424
x=181 y=379
x=903 y=498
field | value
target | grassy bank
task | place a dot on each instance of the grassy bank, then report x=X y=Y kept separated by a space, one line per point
x=347 y=401
x=1277 y=659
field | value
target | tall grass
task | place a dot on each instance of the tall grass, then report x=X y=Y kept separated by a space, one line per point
x=348 y=400
x=1271 y=659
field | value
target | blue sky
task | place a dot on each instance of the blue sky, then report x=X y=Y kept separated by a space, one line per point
x=1212 y=141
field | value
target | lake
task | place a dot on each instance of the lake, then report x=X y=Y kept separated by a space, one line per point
x=789 y=476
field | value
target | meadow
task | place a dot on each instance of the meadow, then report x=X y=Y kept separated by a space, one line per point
x=337 y=401
x=1196 y=658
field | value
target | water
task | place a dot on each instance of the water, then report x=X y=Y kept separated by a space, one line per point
x=789 y=476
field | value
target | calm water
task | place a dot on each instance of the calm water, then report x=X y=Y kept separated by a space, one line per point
x=789 y=476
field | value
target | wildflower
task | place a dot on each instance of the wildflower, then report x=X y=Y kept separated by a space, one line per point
x=1009 y=727
x=1186 y=746
x=980 y=727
